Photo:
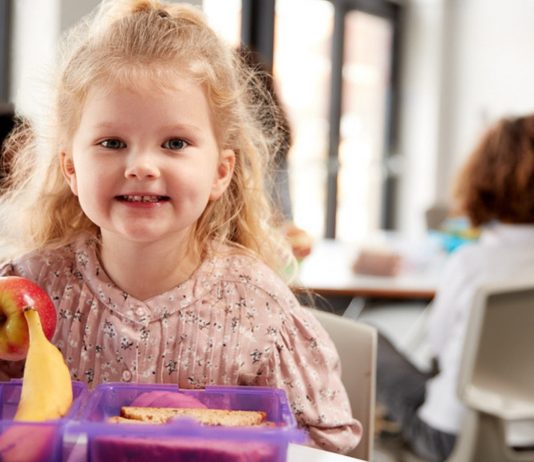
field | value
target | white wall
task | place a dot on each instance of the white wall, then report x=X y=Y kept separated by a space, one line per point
x=35 y=34
x=467 y=62
x=73 y=10
x=38 y=25
x=420 y=100
x=493 y=67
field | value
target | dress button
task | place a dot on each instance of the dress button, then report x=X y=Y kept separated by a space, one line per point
x=126 y=376
x=140 y=311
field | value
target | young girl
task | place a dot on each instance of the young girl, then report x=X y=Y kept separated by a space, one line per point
x=494 y=189
x=150 y=229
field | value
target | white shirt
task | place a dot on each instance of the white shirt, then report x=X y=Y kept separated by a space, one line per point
x=503 y=252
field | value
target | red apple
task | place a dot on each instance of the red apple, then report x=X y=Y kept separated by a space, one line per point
x=16 y=293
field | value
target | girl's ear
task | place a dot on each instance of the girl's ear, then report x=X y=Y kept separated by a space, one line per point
x=69 y=172
x=225 y=170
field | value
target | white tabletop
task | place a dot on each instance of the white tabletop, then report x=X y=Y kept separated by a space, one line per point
x=295 y=453
x=298 y=453
x=328 y=270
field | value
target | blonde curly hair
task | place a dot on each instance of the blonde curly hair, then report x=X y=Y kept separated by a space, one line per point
x=123 y=42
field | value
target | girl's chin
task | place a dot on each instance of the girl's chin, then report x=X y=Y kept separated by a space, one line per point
x=142 y=236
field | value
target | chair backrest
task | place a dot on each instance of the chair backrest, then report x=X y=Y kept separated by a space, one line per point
x=497 y=370
x=356 y=346
x=496 y=380
x=436 y=215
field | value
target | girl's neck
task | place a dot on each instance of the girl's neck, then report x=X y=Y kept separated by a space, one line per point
x=146 y=270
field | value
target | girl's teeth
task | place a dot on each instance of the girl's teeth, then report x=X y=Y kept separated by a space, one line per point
x=142 y=198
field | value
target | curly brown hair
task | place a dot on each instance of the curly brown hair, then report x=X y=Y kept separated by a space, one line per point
x=497 y=181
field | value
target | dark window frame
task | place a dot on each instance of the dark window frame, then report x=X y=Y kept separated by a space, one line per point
x=5 y=46
x=257 y=33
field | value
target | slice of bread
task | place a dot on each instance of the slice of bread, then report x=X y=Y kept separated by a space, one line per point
x=119 y=419
x=218 y=417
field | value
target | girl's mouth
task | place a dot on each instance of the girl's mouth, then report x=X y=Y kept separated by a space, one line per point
x=142 y=198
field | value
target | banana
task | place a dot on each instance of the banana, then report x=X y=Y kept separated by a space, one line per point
x=46 y=383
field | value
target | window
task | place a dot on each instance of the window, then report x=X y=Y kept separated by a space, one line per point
x=334 y=63
x=365 y=86
x=225 y=19
x=302 y=71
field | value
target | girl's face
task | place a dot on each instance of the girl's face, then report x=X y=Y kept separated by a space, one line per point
x=144 y=163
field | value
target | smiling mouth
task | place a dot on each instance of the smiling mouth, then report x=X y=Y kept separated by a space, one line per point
x=143 y=199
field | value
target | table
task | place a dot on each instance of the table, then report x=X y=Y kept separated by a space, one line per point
x=295 y=453
x=298 y=453
x=327 y=270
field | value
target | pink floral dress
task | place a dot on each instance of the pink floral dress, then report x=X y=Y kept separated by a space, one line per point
x=234 y=322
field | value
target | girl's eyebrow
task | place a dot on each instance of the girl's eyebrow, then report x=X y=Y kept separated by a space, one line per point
x=165 y=128
x=106 y=125
x=182 y=126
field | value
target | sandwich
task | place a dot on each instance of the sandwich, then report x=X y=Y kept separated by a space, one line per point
x=212 y=417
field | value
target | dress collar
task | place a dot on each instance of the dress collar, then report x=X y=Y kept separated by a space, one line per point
x=124 y=304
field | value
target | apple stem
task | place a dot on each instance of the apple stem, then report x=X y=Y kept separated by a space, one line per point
x=28 y=308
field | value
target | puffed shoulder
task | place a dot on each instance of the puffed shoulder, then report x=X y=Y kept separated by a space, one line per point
x=47 y=266
x=305 y=362
x=249 y=272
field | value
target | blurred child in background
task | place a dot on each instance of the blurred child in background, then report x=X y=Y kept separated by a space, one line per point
x=495 y=190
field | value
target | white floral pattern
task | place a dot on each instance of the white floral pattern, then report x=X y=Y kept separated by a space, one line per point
x=234 y=322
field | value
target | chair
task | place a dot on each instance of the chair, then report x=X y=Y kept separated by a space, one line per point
x=356 y=346
x=436 y=215
x=496 y=381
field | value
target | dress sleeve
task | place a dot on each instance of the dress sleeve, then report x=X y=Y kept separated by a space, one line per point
x=305 y=363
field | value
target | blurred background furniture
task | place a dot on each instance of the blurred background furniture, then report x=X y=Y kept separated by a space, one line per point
x=7 y=112
x=356 y=346
x=299 y=453
x=327 y=271
x=435 y=215
x=496 y=381
x=7 y=123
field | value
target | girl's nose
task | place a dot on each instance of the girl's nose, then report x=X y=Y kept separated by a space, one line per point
x=141 y=166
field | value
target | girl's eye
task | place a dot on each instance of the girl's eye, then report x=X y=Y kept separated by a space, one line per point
x=112 y=144
x=175 y=144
